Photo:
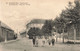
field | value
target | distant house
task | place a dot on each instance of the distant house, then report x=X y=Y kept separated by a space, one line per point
x=35 y=23
x=23 y=34
x=6 y=33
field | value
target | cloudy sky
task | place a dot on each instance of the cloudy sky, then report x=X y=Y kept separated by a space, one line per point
x=17 y=13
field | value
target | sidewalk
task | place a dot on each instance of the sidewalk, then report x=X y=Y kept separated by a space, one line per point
x=10 y=41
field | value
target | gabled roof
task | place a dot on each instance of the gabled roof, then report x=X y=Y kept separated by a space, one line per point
x=4 y=25
x=37 y=21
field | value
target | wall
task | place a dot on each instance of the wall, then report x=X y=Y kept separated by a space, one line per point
x=0 y=32
x=6 y=34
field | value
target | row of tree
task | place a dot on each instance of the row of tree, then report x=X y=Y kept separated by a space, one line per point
x=34 y=32
x=70 y=17
x=46 y=30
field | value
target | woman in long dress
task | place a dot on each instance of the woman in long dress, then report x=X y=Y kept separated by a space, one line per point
x=43 y=41
x=37 y=42
x=49 y=41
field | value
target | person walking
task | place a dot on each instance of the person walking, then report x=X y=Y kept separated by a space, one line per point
x=53 y=40
x=49 y=41
x=43 y=41
x=37 y=41
x=34 y=41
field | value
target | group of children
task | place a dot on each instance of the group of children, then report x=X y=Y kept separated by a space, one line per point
x=43 y=41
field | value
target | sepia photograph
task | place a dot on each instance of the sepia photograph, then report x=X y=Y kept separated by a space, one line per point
x=39 y=25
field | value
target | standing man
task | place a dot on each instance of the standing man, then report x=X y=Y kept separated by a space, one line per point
x=33 y=41
x=53 y=40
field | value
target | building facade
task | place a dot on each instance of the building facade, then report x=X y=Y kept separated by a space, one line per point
x=23 y=34
x=37 y=23
x=6 y=33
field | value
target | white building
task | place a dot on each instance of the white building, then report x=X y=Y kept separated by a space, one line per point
x=35 y=23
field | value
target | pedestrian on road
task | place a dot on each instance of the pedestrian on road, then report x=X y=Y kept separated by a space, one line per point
x=49 y=40
x=43 y=41
x=53 y=40
x=34 y=41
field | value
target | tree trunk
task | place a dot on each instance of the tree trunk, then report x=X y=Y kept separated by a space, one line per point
x=68 y=36
x=56 y=35
x=74 y=34
x=63 y=31
x=63 y=35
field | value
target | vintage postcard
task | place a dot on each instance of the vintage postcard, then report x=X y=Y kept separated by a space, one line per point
x=39 y=25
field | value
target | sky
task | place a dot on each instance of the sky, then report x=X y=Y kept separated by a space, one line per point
x=17 y=13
